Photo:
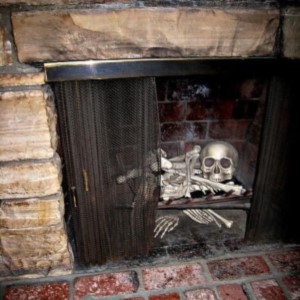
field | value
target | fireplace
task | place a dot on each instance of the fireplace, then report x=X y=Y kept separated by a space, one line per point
x=118 y=41
x=108 y=123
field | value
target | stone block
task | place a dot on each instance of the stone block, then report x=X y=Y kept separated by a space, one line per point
x=27 y=125
x=35 y=249
x=31 y=212
x=173 y=277
x=7 y=80
x=5 y=49
x=106 y=285
x=131 y=33
x=291 y=33
x=30 y=180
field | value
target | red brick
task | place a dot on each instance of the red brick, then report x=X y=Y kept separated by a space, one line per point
x=175 y=276
x=245 y=109
x=293 y=284
x=187 y=89
x=254 y=134
x=251 y=88
x=106 y=284
x=173 y=296
x=48 y=291
x=182 y=131
x=234 y=268
x=231 y=292
x=196 y=111
x=267 y=290
x=216 y=109
x=287 y=261
x=229 y=129
x=161 y=88
x=172 y=148
x=171 y=112
x=188 y=146
x=200 y=294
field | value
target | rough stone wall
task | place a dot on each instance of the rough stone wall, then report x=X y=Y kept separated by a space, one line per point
x=33 y=239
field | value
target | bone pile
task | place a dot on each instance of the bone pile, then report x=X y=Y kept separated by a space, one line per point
x=202 y=171
x=198 y=170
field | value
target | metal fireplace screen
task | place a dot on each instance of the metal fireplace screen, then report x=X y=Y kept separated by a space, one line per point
x=110 y=136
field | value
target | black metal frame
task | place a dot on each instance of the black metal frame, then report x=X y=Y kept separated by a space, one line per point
x=110 y=69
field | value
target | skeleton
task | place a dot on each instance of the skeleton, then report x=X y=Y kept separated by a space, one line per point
x=219 y=160
x=215 y=163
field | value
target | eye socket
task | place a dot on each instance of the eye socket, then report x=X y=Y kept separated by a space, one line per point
x=225 y=163
x=208 y=162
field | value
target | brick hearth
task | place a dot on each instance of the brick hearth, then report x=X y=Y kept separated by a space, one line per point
x=260 y=272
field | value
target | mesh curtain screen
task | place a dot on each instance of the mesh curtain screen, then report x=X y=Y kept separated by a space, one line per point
x=109 y=128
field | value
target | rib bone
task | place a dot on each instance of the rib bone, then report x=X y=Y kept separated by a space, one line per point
x=213 y=186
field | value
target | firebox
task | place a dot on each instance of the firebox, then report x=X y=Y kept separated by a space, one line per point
x=116 y=118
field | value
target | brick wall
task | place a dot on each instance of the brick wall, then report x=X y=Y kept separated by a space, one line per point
x=195 y=110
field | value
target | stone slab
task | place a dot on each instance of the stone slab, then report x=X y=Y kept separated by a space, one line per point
x=7 y=80
x=35 y=249
x=5 y=49
x=133 y=33
x=27 y=125
x=30 y=180
x=291 y=33
x=31 y=212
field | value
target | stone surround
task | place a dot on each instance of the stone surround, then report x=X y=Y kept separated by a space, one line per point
x=33 y=238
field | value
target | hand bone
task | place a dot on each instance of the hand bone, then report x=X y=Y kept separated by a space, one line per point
x=165 y=224
x=206 y=216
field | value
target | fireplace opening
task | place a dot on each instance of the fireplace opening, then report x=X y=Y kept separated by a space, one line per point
x=175 y=106
x=198 y=111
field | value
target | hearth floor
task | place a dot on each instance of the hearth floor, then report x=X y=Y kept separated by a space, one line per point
x=234 y=271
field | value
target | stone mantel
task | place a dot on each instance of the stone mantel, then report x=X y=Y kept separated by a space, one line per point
x=144 y=32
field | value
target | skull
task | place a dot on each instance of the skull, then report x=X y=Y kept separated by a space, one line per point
x=218 y=161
